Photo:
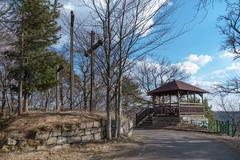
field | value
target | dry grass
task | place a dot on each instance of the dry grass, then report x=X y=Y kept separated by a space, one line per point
x=76 y=152
x=33 y=120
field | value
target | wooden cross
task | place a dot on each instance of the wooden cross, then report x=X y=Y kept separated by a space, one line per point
x=90 y=52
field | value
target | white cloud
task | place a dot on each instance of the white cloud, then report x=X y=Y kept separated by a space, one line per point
x=148 y=11
x=170 y=3
x=235 y=66
x=200 y=60
x=203 y=83
x=219 y=72
x=227 y=54
x=147 y=7
x=194 y=62
x=189 y=67
x=69 y=6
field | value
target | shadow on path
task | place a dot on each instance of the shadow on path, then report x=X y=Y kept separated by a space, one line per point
x=175 y=145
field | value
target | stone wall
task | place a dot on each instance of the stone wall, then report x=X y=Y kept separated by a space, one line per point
x=126 y=128
x=63 y=135
x=158 y=122
x=70 y=134
x=189 y=118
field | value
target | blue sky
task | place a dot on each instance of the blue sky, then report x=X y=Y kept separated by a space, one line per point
x=198 y=51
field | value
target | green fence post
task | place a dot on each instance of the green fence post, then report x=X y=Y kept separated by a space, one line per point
x=217 y=126
x=232 y=134
x=233 y=126
x=210 y=124
x=228 y=129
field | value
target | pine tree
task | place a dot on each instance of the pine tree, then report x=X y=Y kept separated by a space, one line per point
x=208 y=110
x=36 y=31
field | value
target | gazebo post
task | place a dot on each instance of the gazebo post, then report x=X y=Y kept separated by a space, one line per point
x=202 y=97
x=187 y=97
x=170 y=99
x=178 y=99
x=194 y=98
x=154 y=101
x=163 y=99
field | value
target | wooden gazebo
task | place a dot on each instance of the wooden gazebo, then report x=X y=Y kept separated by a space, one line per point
x=177 y=98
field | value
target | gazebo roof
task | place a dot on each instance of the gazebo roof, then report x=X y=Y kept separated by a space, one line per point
x=176 y=85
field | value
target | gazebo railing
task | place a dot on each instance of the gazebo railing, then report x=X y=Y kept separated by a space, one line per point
x=166 y=110
x=191 y=110
x=173 y=109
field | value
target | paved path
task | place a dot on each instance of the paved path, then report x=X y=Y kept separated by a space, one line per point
x=177 y=145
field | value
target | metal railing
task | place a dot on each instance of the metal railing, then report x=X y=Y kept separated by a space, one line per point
x=143 y=114
x=224 y=127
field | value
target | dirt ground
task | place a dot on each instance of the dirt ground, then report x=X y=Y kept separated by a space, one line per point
x=33 y=120
x=76 y=152
x=145 y=145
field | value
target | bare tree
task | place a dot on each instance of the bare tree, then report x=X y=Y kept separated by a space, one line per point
x=231 y=108
x=127 y=28
x=5 y=82
x=150 y=75
x=231 y=86
x=229 y=28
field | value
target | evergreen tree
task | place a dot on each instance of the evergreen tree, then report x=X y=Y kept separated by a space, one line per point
x=36 y=31
x=131 y=92
x=208 y=110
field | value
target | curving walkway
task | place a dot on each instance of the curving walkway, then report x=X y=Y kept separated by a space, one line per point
x=178 y=145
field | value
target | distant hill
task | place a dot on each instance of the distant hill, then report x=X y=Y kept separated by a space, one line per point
x=223 y=116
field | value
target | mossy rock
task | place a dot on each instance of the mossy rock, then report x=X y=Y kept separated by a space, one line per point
x=7 y=148
x=3 y=135
x=58 y=126
x=31 y=134
x=44 y=128
x=33 y=143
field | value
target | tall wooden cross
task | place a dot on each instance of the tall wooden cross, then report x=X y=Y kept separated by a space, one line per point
x=90 y=52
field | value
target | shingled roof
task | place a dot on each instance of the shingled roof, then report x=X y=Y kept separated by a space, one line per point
x=176 y=85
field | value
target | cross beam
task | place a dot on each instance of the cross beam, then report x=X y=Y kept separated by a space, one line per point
x=93 y=48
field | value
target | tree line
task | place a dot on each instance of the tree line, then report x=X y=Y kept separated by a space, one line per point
x=35 y=67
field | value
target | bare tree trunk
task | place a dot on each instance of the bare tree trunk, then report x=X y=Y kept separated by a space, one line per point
x=20 y=97
x=3 y=100
x=9 y=106
x=119 y=106
x=57 y=92
x=85 y=92
x=116 y=111
x=108 y=108
x=61 y=96
x=120 y=72
x=20 y=81
x=92 y=84
x=108 y=73
x=46 y=100
x=25 y=102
